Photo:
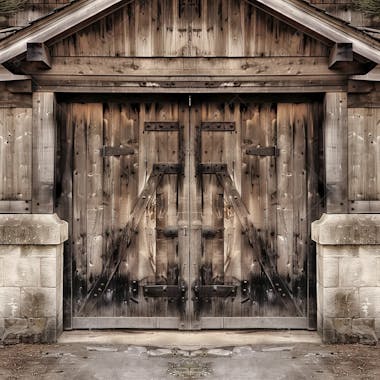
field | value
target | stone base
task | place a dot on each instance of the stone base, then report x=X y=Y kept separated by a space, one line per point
x=348 y=278
x=31 y=278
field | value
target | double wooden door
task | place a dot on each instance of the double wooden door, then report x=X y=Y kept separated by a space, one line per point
x=189 y=212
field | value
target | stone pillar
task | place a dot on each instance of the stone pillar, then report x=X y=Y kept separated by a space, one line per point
x=31 y=277
x=348 y=277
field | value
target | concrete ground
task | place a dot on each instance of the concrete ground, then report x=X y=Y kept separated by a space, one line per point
x=198 y=355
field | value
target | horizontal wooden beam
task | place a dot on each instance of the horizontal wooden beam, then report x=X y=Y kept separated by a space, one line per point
x=20 y=86
x=37 y=54
x=289 y=87
x=340 y=53
x=127 y=67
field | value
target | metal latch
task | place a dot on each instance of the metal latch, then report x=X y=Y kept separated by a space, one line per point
x=173 y=293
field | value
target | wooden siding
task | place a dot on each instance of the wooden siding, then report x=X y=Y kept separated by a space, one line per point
x=15 y=158
x=157 y=28
x=364 y=155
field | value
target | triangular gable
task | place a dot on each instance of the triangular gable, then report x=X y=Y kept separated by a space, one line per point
x=237 y=29
x=83 y=12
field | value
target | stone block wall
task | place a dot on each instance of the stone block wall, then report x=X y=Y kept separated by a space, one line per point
x=31 y=278
x=348 y=277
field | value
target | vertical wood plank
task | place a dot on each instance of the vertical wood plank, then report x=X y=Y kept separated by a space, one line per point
x=64 y=200
x=15 y=155
x=44 y=126
x=94 y=193
x=285 y=212
x=336 y=152
x=80 y=122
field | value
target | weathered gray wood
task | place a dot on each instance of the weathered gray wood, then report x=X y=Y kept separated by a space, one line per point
x=336 y=157
x=80 y=122
x=266 y=264
x=112 y=264
x=15 y=207
x=264 y=85
x=170 y=67
x=44 y=127
x=94 y=192
x=38 y=53
x=20 y=86
x=363 y=154
x=364 y=207
x=286 y=115
x=167 y=323
x=16 y=153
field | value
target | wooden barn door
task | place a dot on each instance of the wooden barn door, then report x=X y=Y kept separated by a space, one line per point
x=257 y=168
x=189 y=213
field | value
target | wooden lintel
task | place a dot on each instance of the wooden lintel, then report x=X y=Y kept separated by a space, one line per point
x=340 y=53
x=38 y=53
x=20 y=86
x=360 y=87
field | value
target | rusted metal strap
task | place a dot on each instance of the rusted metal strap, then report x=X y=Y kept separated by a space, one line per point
x=218 y=126
x=167 y=168
x=172 y=292
x=256 y=241
x=161 y=126
x=262 y=151
x=212 y=168
x=117 y=151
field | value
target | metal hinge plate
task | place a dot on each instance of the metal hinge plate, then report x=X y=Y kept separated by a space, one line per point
x=262 y=151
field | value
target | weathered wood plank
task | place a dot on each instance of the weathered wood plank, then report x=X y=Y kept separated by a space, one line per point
x=285 y=190
x=64 y=200
x=363 y=154
x=16 y=153
x=140 y=67
x=336 y=136
x=80 y=121
x=215 y=28
x=94 y=192
x=289 y=85
x=44 y=127
x=15 y=207
x=20 y=86
x=213 y=151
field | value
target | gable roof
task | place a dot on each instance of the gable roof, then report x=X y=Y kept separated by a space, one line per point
x=80 y=13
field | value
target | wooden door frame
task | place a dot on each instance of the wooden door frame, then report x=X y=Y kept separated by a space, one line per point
x=335 y=162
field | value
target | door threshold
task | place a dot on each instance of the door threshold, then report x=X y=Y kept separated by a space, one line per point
x=189 y=339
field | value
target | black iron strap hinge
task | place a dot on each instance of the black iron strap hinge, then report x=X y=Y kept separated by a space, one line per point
x=262 y=151
x=117 y=151
x=172 y=292
x=204 y=293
